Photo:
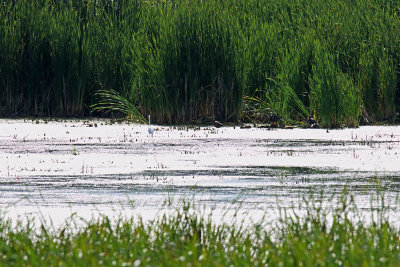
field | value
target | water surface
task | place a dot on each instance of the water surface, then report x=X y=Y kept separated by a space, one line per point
x=54 y=168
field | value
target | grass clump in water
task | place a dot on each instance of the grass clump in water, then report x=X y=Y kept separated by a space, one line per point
x=111 y=100
x=323 y=236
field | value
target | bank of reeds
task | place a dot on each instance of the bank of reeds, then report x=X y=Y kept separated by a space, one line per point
x=185 y=61
x=323 y=235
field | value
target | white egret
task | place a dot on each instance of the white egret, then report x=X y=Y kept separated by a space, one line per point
x=150 y=129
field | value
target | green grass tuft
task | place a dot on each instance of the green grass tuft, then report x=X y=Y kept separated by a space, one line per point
x=330 y=235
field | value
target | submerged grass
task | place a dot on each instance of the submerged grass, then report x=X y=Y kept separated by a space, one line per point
x=326 y=236
x=190 y=60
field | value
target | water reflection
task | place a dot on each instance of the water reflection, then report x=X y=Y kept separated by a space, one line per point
x=67 y=166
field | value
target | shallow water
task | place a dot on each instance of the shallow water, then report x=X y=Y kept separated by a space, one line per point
x=56 y=168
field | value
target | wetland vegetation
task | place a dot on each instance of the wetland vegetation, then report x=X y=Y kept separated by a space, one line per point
x=326 y=236
x=189 y=61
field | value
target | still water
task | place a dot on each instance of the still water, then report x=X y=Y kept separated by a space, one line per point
x=52 y=169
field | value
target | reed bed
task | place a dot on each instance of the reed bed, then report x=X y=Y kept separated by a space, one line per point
x=326 y=236
x=190 y=60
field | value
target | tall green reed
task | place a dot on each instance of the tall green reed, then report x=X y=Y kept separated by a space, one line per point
x=334 y=99
x=187 y=66
x=60 y=53
x=187 y=60
x=378 y=78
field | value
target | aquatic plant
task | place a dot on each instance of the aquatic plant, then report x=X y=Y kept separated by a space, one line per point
x=326 y=235
x=191 y=60
x=111 y=100
x=280 y=98
x=187 y=64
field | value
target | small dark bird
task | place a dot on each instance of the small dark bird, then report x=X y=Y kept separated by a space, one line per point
x=274 y=119
x=217 y=124
x=312 y=122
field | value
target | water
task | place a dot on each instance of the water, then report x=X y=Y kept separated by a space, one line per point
x=56 y=168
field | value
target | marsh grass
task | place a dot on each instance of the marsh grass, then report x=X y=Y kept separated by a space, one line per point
x=111 y=100
x=183 y=61
x=189 y=71
x=330 y=235
x=334 y=98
